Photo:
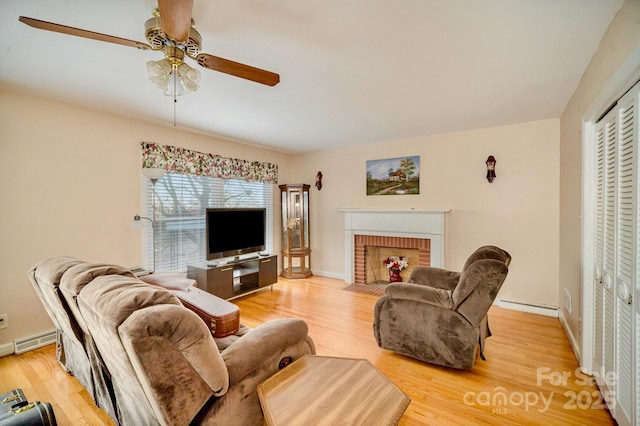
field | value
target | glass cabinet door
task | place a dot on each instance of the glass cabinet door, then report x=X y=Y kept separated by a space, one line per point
x=296 y=262
x=285 y=221
x=305 y=219
x=295 y=219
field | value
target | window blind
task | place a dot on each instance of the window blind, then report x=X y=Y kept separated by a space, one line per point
x=177 y=205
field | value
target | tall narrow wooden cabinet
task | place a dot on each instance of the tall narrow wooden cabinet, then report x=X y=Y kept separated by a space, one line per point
x=296 y=249
x=617 y=259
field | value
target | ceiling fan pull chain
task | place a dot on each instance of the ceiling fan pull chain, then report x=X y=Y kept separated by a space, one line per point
x=175 y=96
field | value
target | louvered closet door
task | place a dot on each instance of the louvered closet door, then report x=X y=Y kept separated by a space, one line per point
x=617 y=259
x=626 y=267
x=635 y=296
x=607 y=288
x=598 y=286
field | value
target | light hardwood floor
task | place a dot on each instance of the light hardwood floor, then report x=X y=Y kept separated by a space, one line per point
x=529 y=376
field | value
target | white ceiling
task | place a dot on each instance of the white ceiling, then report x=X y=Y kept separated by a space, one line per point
x=352 y=72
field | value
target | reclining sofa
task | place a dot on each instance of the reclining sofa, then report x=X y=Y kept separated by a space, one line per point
x=148 y=360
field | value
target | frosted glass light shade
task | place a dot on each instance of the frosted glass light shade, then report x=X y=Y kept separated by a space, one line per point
x=159 y=73
x=153 y=173
x=175 y=80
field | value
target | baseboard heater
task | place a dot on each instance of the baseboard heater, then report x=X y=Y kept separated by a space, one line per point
x=550 y=311
x=34 y=342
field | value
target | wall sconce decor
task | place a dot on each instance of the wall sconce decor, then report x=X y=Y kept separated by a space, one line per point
x=491 y=168
x=319 y=181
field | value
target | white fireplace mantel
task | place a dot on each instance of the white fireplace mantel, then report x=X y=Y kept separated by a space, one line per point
x=428 y=224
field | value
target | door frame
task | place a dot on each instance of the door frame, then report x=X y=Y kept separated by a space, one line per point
x=623 y=80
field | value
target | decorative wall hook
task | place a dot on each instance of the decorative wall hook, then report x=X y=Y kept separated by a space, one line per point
x=491 y=168
x=319 y=181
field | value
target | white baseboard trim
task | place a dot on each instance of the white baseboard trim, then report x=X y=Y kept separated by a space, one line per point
x=548 y=311
x=572 y=338
x=7 y=349
x=328 y=274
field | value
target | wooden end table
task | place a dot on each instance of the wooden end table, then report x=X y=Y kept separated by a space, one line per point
x=333 y=391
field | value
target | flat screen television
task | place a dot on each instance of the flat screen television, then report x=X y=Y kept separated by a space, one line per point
x=234 y=231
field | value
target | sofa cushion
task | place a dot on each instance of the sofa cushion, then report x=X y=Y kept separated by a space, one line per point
x=45 y=279
x=166 y=342
x=420 y=293
x=471 y=276
x=487 y=252
x=171 y=281
x=78 y=276
x=479 y=286
x=483 y=262
x=434 y=277
x=50 y=271
x=114 y=298
x=105 y=303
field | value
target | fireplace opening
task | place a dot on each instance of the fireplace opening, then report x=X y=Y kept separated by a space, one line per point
x=377 y=272
x=371 y=250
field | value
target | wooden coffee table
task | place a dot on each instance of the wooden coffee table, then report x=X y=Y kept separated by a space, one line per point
x=323 y=390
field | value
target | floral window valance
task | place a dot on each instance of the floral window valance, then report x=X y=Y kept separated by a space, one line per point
x=174 y=159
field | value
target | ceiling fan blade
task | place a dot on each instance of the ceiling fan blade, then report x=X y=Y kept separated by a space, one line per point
x=237 y=69
x=58 y=28
x=175 y=18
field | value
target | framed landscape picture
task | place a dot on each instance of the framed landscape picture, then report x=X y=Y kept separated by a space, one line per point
x=394 y=176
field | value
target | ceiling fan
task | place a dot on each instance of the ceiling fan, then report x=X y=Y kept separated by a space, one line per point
x=171 y=30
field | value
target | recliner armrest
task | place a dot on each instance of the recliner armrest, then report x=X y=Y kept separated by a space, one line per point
x=249 y=352
x=434 y=277
x=420 y=293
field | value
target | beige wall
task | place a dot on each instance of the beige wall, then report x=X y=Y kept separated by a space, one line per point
x=518 y=211
x=71 y=184
x=618 y=44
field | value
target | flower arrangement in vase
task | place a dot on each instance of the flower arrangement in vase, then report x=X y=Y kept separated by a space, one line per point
x=395 y=264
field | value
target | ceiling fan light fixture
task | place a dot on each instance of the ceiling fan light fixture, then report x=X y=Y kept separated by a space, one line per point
x=175 y=79
x=159 y=72
x=189 y=77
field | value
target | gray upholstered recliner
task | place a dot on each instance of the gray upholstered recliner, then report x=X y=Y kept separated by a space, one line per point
x=440 y=316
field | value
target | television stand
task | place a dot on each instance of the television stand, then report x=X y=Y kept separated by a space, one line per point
x=235 y=278
x=231 y=261
x=237 y=259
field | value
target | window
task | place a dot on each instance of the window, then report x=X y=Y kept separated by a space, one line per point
x=180 y=203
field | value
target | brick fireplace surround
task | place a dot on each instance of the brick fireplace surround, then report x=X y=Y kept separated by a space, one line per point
x=411 y=229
